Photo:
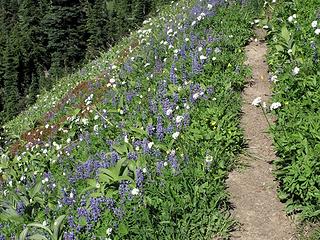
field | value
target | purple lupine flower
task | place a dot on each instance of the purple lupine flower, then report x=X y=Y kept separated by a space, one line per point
x=210 y=90
x=20 y=208
x=128 y=67
x=132 y=156
x=95 y=209
x=172 y=159
x=130 y=95
x=186 y=120
x=208 y=51
x=175 y=97
x=158 y=66
x=169 y=129
x=139 y=178
x=68 y=198
x=196 y=67
x=69 y=236
x=110 y=203
x=145 y=147
x=83 y=212
x=159 y=128
x=150 y=129
x=118 y=212
x=123 y=189
x=71 y=222
x=160 y=166
x=114 y=158
x=167 y=107
x=153 y=106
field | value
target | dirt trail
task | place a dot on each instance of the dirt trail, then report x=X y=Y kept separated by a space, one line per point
x=253 y=189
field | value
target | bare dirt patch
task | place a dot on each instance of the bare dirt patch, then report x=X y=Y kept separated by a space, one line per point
x=253 y=189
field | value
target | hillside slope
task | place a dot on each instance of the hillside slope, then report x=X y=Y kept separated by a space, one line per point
x=141 y=145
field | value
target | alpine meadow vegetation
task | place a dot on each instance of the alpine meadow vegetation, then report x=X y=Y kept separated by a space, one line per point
x=294 y=48
x=138 y=143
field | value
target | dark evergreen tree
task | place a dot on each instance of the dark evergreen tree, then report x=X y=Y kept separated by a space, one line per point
x=65 y=27
x=97 y=26
x=42 y=39
x=10 y=78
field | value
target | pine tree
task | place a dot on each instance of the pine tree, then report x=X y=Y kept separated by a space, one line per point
x=65 y=24
x=97 y=26
x=33 y=41
x=10 y=78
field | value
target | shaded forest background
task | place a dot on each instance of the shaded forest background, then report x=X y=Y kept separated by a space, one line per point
x=40 y=41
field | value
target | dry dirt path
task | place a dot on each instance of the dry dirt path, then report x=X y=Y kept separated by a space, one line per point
x=253 y=189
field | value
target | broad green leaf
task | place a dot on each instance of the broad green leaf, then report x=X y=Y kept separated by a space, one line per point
x=104 y=178
x=123 y=178
x=111 y=172
x=38 y=237
x=82 y=221
x=285 y=34
x=123 y=229
x=35 y=189
x=23 y=234
x=139 y=131
x=121 y=149
x=279 y=48
x=39 y=225
x=57 y=226
x=92 y=182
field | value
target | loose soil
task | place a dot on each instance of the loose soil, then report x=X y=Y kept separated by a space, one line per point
x=253 y=189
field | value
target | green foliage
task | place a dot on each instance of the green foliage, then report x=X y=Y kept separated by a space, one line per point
x=294 y=59
x=102 y=171
x=55 y=37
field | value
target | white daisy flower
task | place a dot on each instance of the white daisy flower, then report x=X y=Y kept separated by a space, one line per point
x=175 y=135
x=295 y=71
x=275 y=105
x=135 y=191
x=314 y=24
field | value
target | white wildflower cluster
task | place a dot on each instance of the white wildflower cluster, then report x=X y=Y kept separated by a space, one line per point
x=314 y=24
x=295 y=71
x=88 y=100
x=196 y=95
x=292 y=18
x=179 y=119
x=275 y=106
x=274 y=78
x=135 y=191
x=175 y=135
x=209 y=159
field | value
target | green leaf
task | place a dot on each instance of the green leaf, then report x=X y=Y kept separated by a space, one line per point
x=35 y=189
x=76 y=111
x=112 y=173
x=104 y=178
x=123 y=178
x=83 y=221
x=123 y=229
x=279 y=48
x=38 y=237
x=285 y=34
x=23 y=234
x=92 y=182
x=57 y=226
x=139 y=131
x=121 y=104
x=39 y=225
x=121 y=149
